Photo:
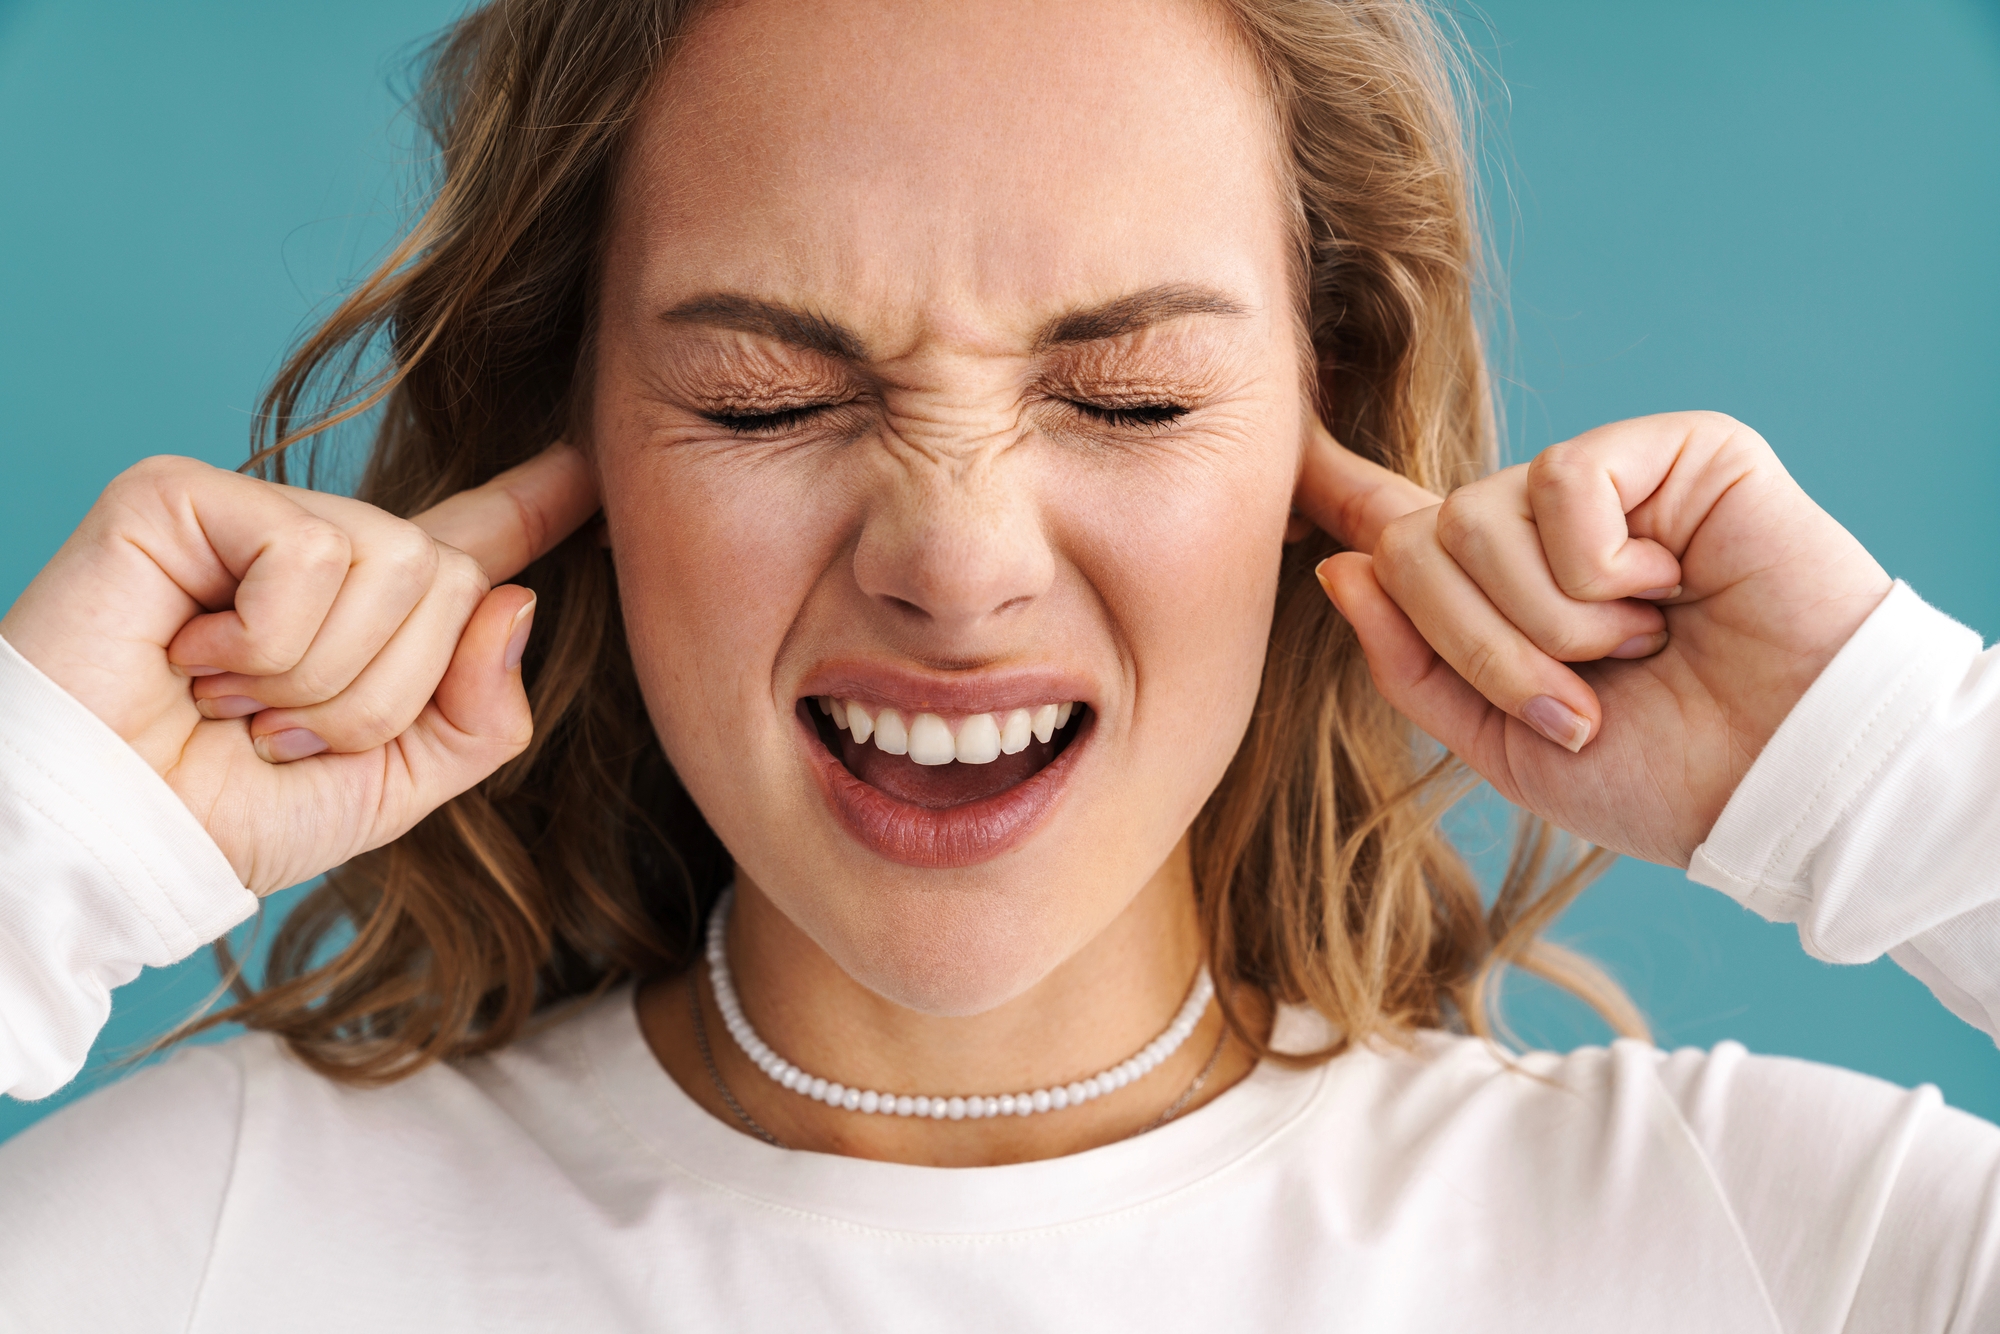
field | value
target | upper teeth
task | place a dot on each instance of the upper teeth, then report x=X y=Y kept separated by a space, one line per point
x=981 y=738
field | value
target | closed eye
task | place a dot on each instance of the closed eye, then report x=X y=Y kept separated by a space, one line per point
x=1132 y=415
x=767 y=423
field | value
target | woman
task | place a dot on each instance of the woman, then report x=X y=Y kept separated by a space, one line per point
x=965 y=769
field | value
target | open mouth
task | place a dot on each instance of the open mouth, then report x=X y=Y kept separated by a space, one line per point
x=936 y=789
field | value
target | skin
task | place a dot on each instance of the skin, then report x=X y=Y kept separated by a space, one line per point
x=954 y=510
x=959 y=512
x=1471 y=607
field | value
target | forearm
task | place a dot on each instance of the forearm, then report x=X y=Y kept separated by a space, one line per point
x=102 y=872
x=1872 y=819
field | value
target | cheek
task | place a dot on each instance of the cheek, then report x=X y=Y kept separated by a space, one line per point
x=715 y=556
x=1184 y=552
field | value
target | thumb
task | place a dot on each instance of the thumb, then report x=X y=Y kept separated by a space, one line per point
x=477 y=719
x=1407 y=671
x=1350 y=498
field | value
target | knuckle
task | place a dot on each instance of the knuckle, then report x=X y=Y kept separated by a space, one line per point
x=156 y=468
x=154 y=477
x=518 y=737
x=1402 y=537
x=366 y=723
x=259 y=660
x=411 y=555
x=1718 y=423
x=1569 y=642
x=1590 y=584
x=534 y=523
x=1351 y=514
x=310 y=683
x=1484 y=668
x=460 y=574
x=270 y=655
x=1559 y=468
x=1460 y=520
x=1728 y=434
x=321 y=547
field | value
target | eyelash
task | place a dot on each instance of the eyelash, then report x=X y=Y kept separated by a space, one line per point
x=766 y=423
x=1130 y=416
x=1133 y=416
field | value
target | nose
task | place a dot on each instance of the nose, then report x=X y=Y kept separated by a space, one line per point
x=957 y=550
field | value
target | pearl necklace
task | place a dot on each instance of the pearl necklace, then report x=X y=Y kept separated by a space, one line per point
x=787 y=1075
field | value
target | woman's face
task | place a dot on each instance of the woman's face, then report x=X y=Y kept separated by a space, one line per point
x=948 y=366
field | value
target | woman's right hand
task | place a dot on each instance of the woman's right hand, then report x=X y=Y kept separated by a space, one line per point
x=311 y=675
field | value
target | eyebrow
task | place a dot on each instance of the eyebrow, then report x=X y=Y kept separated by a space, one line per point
x=1090 y=324
x=787 y=324
x=1138 y=310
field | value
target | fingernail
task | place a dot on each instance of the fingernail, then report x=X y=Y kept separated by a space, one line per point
x=294 y=743
x=1557 y=721
x=517 y=643
x=196 y=671
x=227 y=706
x=1661 y=594
x=1319 y=573
x=1640 y=646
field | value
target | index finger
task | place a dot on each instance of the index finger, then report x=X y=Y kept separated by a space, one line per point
x=1350 y=498
x=508 y=522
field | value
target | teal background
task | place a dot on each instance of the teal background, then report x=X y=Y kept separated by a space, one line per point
x=1788 y=212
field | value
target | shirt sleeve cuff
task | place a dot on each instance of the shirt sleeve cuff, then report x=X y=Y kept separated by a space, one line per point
x=1884 y=683
x=60 y=758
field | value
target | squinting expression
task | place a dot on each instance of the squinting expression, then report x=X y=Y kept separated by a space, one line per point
x=948 y=380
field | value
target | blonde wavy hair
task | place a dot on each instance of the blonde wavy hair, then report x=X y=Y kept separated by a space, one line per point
x=1323 y=873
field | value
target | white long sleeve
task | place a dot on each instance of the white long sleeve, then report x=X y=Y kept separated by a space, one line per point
x=102 y=872
x=1872 y=819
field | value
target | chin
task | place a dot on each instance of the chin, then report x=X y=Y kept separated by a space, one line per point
x=955 y=952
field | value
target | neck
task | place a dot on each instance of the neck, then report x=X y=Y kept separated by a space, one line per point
x=1093 y=1011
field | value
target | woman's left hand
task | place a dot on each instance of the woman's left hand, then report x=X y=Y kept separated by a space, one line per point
x=1608 y=634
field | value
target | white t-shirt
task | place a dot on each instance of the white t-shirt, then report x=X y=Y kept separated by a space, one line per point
x=568 y=1183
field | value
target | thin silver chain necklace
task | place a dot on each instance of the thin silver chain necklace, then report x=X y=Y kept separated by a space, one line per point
x=789 y=1076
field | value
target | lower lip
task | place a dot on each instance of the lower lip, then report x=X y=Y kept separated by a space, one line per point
x=940 y=839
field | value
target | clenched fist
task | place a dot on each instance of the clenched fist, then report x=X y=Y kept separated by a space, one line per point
x=1608 y=634
x=310 y=674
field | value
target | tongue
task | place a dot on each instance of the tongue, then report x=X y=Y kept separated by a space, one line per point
x=939 y=785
